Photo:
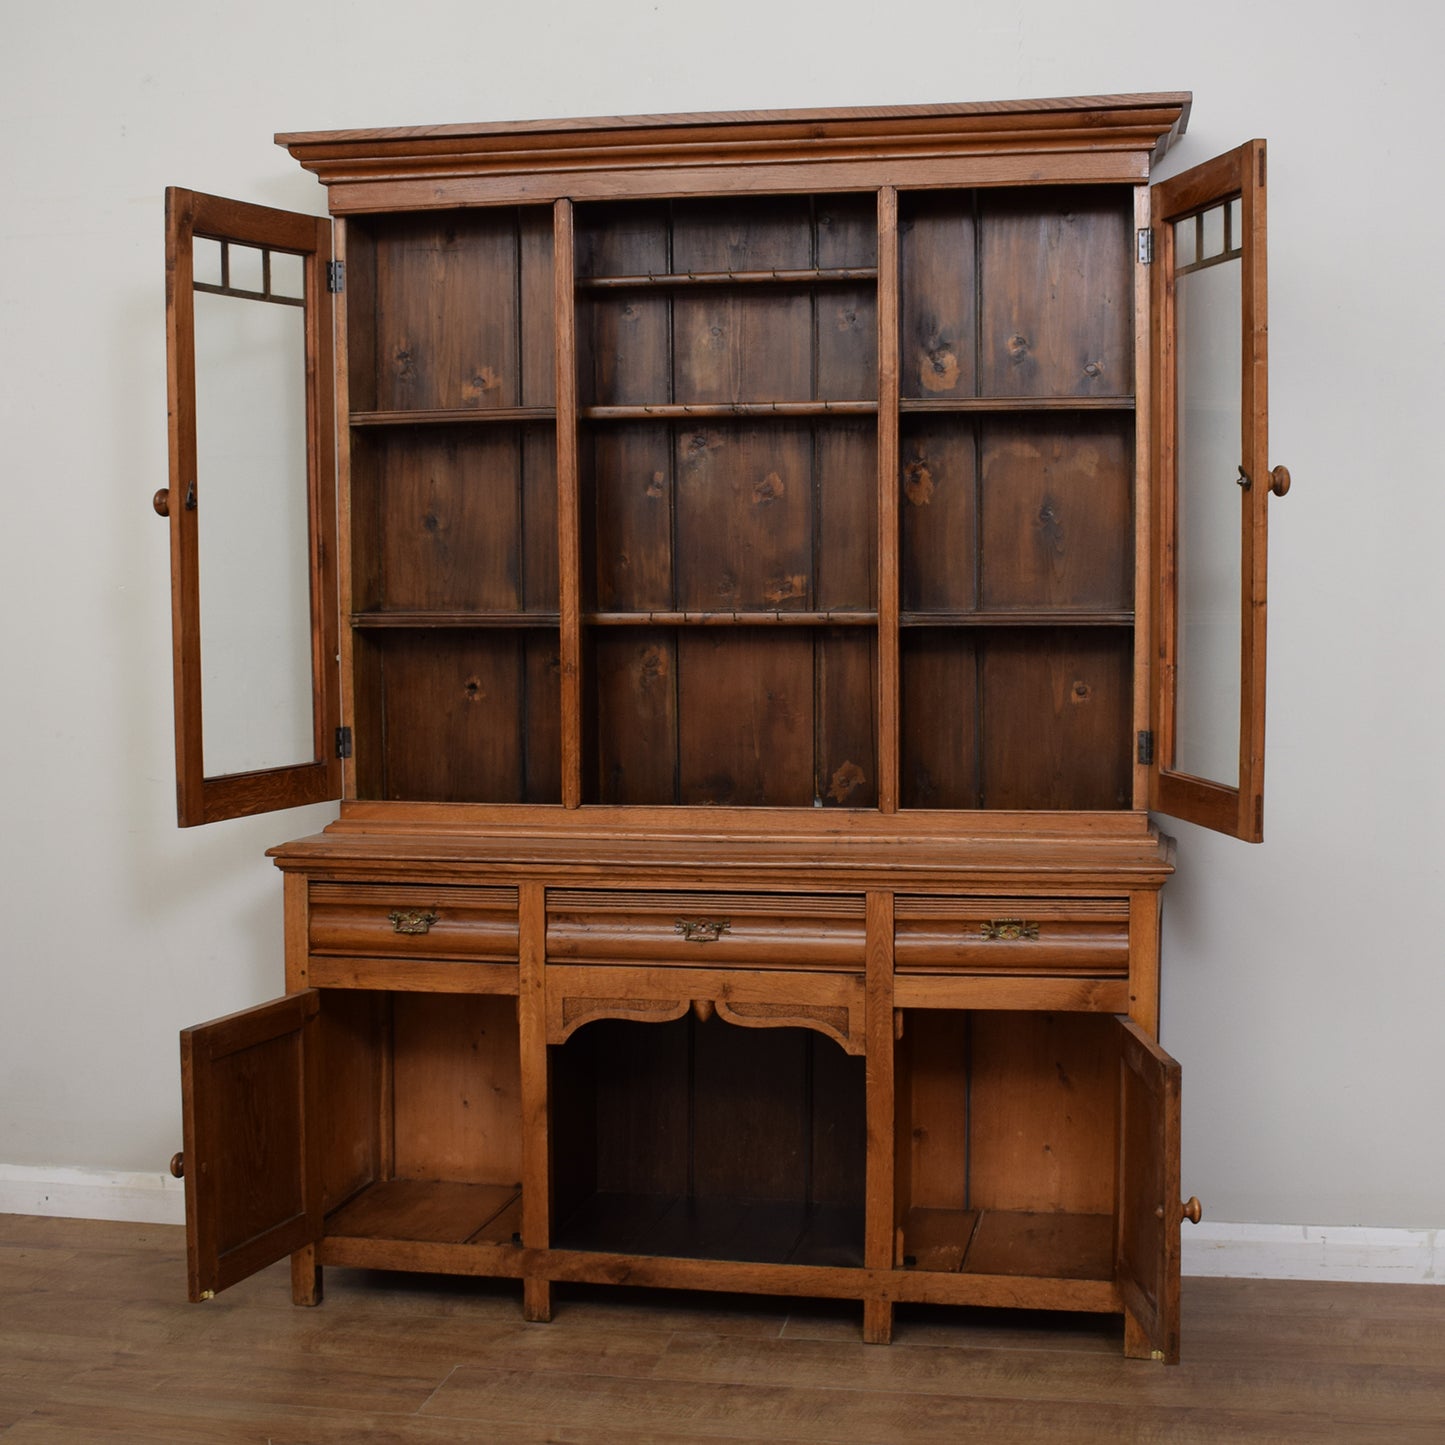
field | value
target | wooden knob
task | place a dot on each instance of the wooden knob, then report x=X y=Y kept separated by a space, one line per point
x=178 y=1165
x=1193 y=1210
x=1279 y=481
x=162 y=502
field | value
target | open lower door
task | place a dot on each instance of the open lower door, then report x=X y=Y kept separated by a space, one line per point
x=252 y=1184
x=1212 y=481
x=1147 y=1241
x=252 y=507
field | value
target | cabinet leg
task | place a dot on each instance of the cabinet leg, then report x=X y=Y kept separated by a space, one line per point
x=1139 y=1343
x=877 y=1322
x=537 y=1300
x=305 y=1277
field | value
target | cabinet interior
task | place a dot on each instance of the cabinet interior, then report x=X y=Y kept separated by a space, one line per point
x=1007 y=1139
x=703 y=1140
x=740 y=608
x=420 y=1116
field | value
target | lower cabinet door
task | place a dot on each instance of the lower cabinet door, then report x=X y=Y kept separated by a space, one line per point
x=252 y=1191
x=1149 y=1212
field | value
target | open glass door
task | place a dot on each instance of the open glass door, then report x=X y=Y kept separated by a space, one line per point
x=251 y=504
x=1212 y=481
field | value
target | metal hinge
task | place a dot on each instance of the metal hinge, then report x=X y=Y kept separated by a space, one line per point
x=1145 y=240
x=335 y=275
x=343 y=742
x=1146 y=747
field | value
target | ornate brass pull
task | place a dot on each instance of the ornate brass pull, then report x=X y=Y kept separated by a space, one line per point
x=1010 y=929
x=413 y=920
x=703 y=930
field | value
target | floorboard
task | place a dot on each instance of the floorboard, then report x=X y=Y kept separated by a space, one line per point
x=97 y=1343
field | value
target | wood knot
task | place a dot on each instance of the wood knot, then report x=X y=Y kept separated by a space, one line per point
x=938 y=368
x=918 y=482
x=769 y=489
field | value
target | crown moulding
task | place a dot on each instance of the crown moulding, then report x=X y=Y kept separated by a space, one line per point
x=1145 y=125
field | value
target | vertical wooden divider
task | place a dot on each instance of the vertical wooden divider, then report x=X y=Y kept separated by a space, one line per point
x=306 y=1282
x=345 y=641
x=536 y=1150
x=569 y=554
x=878 y=1226
x=1144 y=959
x=888 y=665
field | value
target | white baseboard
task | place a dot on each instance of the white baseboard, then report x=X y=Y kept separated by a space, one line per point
x=91 y=1194
x=1315 y=1251
x=1239 y=1251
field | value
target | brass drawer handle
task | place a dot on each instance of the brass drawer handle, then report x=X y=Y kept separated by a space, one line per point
x=1010 y=929
x=413 y=920
x=703 y=930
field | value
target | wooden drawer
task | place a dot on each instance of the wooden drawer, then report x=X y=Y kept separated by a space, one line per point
x=413 y=921
x=1011 y=935
x=759 y=930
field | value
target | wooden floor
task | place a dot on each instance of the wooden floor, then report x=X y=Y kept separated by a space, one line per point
x=97 y=1343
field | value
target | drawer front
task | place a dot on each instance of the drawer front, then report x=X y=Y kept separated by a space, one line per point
x=413 y=921
x=1010 y=935
x=786 y=931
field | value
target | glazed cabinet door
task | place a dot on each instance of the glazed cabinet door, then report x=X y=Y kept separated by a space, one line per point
x=248 y=1085
x=1149 y=1213
x=1212 y=482
x=252 y=507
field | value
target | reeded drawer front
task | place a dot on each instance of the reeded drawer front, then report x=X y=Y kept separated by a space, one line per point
x=1007 y=935
x=382 y=919
x=703 y=929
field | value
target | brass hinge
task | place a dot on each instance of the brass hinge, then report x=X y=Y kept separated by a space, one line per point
x=343 y=742
x=335 y=275
x=1145 y=240
x=1146 y=747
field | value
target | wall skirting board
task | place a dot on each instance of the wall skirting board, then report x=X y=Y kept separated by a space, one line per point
x=1251 y=1251
x=91 y=1194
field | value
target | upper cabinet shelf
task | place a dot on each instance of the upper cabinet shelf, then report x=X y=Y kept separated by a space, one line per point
x=1016 y=403
x=453 y=416
x=794 y=276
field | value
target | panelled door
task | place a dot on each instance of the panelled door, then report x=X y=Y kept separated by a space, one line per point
x=248 y=1088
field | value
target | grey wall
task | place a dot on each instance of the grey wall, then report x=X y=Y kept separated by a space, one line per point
x=1304 y=991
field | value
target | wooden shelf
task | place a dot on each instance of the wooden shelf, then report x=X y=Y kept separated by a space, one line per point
x=1043 y=617
x=731 y=619
x=687 y=411
x=432 y=1211
x=454 y=416
x=1010 y=1242
x=806 y=276
x=412 y=621
x=763 y=1231
x=1015 y=403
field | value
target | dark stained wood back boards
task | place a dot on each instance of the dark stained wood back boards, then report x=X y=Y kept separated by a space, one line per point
x=752 y=547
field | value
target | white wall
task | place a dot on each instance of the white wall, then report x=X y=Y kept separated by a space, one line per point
x=1304 y=993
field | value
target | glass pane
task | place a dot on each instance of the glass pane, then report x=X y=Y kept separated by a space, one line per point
x=246 y=267
x=206 y=261
x=1207 y=695
x=254 y=558
x=288 y=275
